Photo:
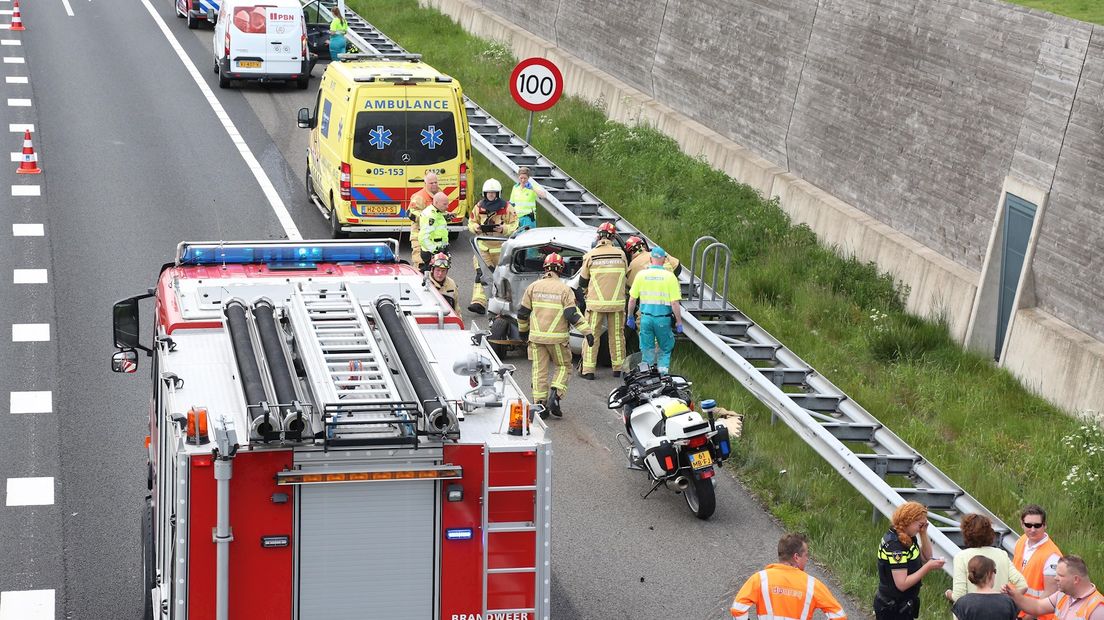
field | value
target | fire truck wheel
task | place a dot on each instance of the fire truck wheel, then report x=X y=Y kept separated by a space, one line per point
x=147 y=559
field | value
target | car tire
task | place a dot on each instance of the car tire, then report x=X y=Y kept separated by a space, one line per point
x=193 y=22
x=224 y=82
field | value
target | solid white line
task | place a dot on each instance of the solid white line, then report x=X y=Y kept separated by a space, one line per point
x=30 y=332
x=26 y=190
x=28 y=230
x=27 y=605
x=30 y=491
x=68 y=9
x=20 y=127
x=269 y=190
x=19 y=103
x=10 y=42
x=16 y=79
x=29 y=276
x=32 y=402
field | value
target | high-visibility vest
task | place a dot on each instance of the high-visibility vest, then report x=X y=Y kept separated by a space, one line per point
x=657 y=289
x=1092 y=601
x=433 y=236
x=1033 y=569
x=605 y=267
x=643 y=260
x=548 y=298
x=523 y=199
x=784 y=592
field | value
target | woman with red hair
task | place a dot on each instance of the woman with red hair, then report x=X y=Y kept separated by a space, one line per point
x=904 y=557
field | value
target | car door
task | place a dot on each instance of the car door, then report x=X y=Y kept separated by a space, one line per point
x=318 y=30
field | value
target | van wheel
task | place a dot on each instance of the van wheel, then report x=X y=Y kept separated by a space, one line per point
x=303 y=83
x=193 y=22
x=335 y=226
x=224 y=81
x=176 y=6
x=309 y=183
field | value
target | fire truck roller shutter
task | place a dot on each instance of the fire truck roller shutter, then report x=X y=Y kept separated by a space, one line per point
x=277 y=365
x=367 y=550
x=248 y=369
x=432 y=403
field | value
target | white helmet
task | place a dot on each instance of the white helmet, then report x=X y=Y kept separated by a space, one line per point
x=492 y=185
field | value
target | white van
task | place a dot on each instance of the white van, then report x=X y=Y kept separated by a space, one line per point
x=263 y=40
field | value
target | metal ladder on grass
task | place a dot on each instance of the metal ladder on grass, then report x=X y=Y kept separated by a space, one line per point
x=859 y=447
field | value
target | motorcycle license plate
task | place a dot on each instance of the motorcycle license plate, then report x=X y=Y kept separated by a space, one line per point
x=249 y=64
x=701 y=460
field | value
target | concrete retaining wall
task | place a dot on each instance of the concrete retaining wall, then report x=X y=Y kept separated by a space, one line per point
x=888 y=126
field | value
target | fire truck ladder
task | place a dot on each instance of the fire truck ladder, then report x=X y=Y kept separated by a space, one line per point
x=854 y=442
x=352 y=384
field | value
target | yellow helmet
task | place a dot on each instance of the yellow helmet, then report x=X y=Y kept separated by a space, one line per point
x=674 y=409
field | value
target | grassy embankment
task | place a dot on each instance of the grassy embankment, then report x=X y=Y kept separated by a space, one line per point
x=1084 y=10
x=975 y=422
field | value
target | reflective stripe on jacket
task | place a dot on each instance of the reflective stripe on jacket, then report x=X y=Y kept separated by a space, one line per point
x=605 y=267
x=784 y=592
x=657 y=289
x=549 y=299
x=1084 y=610
x=433 y=233
x=643 y=260
x=523 y=199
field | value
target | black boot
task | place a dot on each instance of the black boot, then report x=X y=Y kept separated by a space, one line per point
x=554 y=403
x=477 y=308
x=544 y=409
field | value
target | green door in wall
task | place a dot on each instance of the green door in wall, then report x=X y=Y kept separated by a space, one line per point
x=1019 y=215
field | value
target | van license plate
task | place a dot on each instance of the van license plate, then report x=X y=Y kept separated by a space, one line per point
x=249 y=64
x=381 y=209
x=699 y=460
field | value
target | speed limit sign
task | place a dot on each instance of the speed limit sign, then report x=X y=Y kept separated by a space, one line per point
x=536 y=84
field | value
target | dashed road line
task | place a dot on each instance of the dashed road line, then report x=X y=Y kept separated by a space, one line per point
x=17 y=156
x=19 y=103
x=41 y=401
x=20 y=127
x=30 y=332
x=28 y=230
x=30 y=491
x=26 y=190
x=10 y=42
x=15 y=79
x=29 y=276
x=14 y=60
x=27 y=605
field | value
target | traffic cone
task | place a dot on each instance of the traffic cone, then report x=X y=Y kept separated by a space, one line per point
x=29 y=165
x=17 y=21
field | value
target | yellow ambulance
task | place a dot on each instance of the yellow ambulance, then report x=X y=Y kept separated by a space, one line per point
x=379 y=125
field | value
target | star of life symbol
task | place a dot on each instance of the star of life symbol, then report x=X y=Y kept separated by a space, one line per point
x=431 y=137
x=379 y=137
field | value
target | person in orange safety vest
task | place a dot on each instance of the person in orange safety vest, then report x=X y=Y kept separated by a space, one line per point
x=1036 y=556
x=1077 y=598
x=784 y=591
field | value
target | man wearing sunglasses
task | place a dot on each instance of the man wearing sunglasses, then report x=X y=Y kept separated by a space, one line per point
x=1037 y=557
x=1077 y=598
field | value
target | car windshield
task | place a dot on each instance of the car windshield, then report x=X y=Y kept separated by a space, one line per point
x=398 y=138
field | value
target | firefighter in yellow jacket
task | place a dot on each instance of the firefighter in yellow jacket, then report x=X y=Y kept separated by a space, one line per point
x=493 y=216
x=547 y=309
x=439 y=278
x=603 y=278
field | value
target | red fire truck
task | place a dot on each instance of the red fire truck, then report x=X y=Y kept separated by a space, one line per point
x=327 y=441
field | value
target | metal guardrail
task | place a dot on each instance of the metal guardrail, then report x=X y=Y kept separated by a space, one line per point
x=811 y=405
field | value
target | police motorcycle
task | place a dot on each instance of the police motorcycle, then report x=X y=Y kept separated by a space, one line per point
x=665 y=437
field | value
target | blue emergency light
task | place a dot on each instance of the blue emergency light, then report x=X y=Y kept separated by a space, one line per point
x=459 y=534
x=301 y=254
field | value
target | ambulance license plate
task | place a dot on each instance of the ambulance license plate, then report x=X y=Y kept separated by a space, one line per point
x=701 y=460
x=249 y=64
x=381 y=209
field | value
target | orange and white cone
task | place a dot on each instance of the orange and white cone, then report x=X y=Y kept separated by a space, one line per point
x=29 y=163
x=17 y=21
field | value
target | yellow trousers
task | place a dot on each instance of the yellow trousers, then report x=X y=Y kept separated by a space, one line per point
x=558 y=356
x=491 y=258
x=615 y=331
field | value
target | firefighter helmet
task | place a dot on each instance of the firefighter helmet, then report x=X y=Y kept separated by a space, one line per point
x=634 y=244
x=607 y=230
x=492 y=185
x=440 y=260
x=554 y=262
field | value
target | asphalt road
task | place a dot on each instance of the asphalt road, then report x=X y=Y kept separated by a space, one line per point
x=136 y=162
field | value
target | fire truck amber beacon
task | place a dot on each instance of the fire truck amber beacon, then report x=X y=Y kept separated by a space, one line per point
x=298 y=411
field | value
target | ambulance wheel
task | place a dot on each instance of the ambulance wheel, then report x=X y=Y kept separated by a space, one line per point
x=309 y=184
x=700 y=497
x=193 y=22
x=335 y=226
x=147 y=559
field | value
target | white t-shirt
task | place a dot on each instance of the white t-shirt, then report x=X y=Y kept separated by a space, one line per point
x=1050 y=567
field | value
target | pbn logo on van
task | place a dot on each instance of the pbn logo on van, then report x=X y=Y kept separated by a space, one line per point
x=281 y=17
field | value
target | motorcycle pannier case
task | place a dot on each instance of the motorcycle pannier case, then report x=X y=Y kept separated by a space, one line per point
x=662 y=460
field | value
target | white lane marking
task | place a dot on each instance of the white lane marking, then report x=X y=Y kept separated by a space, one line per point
x=32 y=402
x=20 y=127
x=19 y=103
x=68 y=9
x=15 y=79
x=269 y=190
x=27 y=605
x=17 y=156
x=13 y=60
x=29 y=276
x=26 y=190
x=30 y=332
x=6 y=11
x=28 y=230
x=10 y=42
x=30 y=492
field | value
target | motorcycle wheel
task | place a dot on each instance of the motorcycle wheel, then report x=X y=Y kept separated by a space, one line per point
x=700 y=497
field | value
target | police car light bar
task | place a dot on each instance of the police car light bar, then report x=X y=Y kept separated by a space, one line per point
x=300 y=253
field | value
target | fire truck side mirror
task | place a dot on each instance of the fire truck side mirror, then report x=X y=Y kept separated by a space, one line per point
x=125 y=361
x=125 y=324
